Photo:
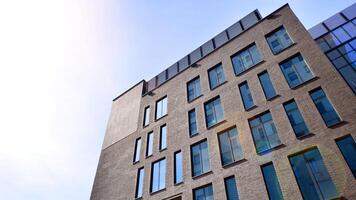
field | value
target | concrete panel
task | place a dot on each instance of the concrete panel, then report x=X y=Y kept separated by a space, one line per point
x=234 y=30
x=183 y=63
x=195 y=55
x=249 y=20
x=172 y=70
x=220 y=39
x=161 y=78
x=207 y=47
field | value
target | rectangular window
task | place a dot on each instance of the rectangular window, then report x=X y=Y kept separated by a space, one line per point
x=324 y=107
x=178 y=167
x=245 y=59
x=200 y=158
x=149 y=146
x=312 y=176
x=139 y=182
x=193 y=89
x=158 y=175
x=203 y=193
x=216 y=76
x=146 y=117
x=137 y=150
x=296 y=71
x=278 y=40
x=161 y=108
x=230 y=147
x=347 y=147
x=246 y=96
x=163 y=137
x=271 y=181
x=193 y=127
x=296 y=119
x=267 y=85
x=231 y=188
x=264 y=132
x=213 y=112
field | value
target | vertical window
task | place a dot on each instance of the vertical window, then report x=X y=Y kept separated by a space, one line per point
x=245 y=59
x=278 y=40
x=161 y=108
x=230 y=147
x=193 y=128
x=200 y=158
x=312 y=176
x=193 y=89
x=149 y=146
x=203 y=193
x=146 y=116
x=216 y=76
x=139 y=182
x=163 y=137
x=246 y=96
x=178 y=167
x=158 y=175
x=213 y=112
x=137 y=150
x=296 y=119
x=231 y=189
x=264 y=132
x=271 y=181
x=347 y=147
x=296 y=71
x=267 y=85
x=324 y=107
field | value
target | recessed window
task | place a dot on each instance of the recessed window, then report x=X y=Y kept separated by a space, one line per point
x=200 y=158
x=324 y=107
x=193 y=127
x=347 y=147
x=137 y=150
x=158 y=175
x=295 y=118
x=213 y=112
x=146 y=117
x=139 y=182
x=203 y=193
x=267 y=85
x=163 y=137
x=271 y=181
x=193 y=89
x=245 y=59
x=246 y=96
x=161 y=108
x=178 y=167
x=231 y=188
x=230 y=147
x=216 y=76
x=312 y=176
x=279 y=40
x=264 y=132
x=149 y=146
x=296 y=71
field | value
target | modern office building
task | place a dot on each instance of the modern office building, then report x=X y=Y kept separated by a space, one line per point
x=257 y=112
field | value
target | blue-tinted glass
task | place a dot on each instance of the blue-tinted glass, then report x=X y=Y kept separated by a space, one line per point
x=350 y=29
x=149 y=144
x=296 y=119
x=279 y=40
x=350 y=57
x=203 y=193
x=272 y=184
x=322 y=44
x=193 y=88
x=333 y=54
x=345 y=48
x=246 y=59
x=139 y=186
x=341 y=34
x=193 y=129
x=246 y=96
x=231 y=189
x=331 y=40
x=137 y=150
x=163 y=139
x=216 y=76
x=146 y=119
x=267 y=85
x=158 y=176
x=178 y=168
x=255 y=54
x=339 y=62
x=213 y=112
x=347 y=147
x=296 y=71
x=200 y=158
x=230 y=147
x=161 y=108
x=324 y=107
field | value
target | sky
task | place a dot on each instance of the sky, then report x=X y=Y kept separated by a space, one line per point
x=62 y=62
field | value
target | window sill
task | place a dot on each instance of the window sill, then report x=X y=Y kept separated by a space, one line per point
x=271 y=149
x=223 y=83
x=288 y=47
x=138 y=198
x=250 y=68
x=217 y=124
x=180 y=183
x=304 y=83
x=149 y=156
x=201 y=175
x=145 y=126
x=163 y=149
x=234 y=163
x=308 y=135
x=274 y=97
x=337 y=124
x=195 y=98
x=191 y=136
x=134 y=163
x=251 y=108
x=158 y=191
x=161 y=117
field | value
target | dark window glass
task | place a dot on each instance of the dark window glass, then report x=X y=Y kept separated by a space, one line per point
x=296 y=71
x=200 y=158
x=264 y=132
x=279 y=40
x=146 y=116
x=158 y=175
x=230 y=147
x=246 y=96
x=347 y=147
x=193 y=127
x=245 y=59
x=324 y=107
x=203 y=193
x=331 y=40
x=163 y=137
x=139 y=182
x=137 y=150
x=322 y=44
x=149 y=147
x=178 y=167
x=231 y=188
x=213 y=112
x=312 y=176
x=296 y=119
x=271 y=181
x=216 y=76
x=193 y=89
x=161 y=108
x=267 y=85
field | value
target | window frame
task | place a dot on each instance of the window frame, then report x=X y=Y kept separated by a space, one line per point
x=137 y=152
x=160 y=137
x=138 y=177
x=297 y=108
x=149 y=143
x=146 y=116
x=196 y=96
x=246 y=48
x=265 y=182
x=273 y=32
x=214 y=68
x=226 y=131
x=226 y=192
x=200 y=153
x=263 y=88
x=175 y=167
x=222 y=109
x=161 y=99
x=243 y=99
x=152 y=175
x=201 y=187
x=196 y=122
x=342 y=153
